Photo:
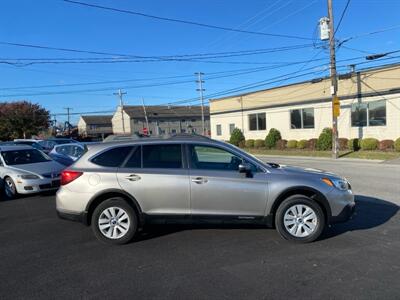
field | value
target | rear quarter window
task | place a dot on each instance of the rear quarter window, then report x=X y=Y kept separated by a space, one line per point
x=113 y=157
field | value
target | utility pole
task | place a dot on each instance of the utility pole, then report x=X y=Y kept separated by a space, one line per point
x=121 y=105
x=201 y=90
x=334 y=84
x=54 y=124
x=68 y=119
x=145 y=115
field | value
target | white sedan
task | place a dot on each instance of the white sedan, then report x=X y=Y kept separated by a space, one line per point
x=25 y=170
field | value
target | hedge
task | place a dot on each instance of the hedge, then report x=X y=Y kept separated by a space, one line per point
x=249 y=143
x=369 y=144
x=354 y=144
x=292 y=144
x=312 y=144
x=325 y=139
x=386 y=145
x=397 y=145
x=259 y=143
x=343 y=144
x=273 y=136
x=281 y=144
x=302 y=144
x=237 y=137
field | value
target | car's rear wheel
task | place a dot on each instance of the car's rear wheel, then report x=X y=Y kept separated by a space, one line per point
x=10 y=189
x=114 y=221
x=300 y=219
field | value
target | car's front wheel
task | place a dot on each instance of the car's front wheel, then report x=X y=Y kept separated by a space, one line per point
x=114 y=221
x=300 y=219
x=10 y=189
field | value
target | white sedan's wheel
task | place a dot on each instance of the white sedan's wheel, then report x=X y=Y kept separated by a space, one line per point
x=114 y=222
x=9 y=188
x=300 y=220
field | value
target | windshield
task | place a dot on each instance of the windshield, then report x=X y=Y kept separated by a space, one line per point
x=22 y=157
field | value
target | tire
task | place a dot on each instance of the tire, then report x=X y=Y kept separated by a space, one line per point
x=10 y=190
x=110 y=228
x=300 y=219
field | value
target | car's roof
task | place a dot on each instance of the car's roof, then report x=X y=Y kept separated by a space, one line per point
x=15 y=148
x=27 y=140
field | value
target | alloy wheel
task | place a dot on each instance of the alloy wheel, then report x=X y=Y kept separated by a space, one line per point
x=114 y=222
x=300 y=220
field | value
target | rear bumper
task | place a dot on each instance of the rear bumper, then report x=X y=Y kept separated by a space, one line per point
x=346 y=214
x=82 y=217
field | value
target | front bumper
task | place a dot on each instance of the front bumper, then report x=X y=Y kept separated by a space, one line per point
x=345 y=214
x=31 y=186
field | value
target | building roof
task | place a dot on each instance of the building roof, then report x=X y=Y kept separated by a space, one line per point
x=164 y=111
x=371 y=81
x=98 y=120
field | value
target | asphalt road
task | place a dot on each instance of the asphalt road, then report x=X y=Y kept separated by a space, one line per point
x=44 y=257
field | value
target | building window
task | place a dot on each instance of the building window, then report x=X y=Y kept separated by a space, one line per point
x=231 y=128
x=302 y=118
x=219 y=129
x=173 y=131
x=257 y=121
x=368 y=114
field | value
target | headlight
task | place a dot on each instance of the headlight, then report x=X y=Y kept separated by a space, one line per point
x=340 y=184
x=29 y=176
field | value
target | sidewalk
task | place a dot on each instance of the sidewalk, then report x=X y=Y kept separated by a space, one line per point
x=315 y=158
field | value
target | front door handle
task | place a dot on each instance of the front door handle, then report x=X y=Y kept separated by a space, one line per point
x=199 y=180
x=133 y=177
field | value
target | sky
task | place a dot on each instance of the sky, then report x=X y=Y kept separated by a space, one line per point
x=59 y=24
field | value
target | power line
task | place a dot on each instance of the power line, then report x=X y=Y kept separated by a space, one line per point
x=184 y=21
x=341 y=17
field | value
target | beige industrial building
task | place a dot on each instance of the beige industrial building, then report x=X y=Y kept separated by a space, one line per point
x=369 y=103
x=95 y=126
x=158 y=119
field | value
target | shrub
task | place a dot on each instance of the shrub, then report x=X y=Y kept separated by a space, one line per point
x=273 y=136
x=354 y=144
x=302 y=144
x=259 y=143
x=292 y=144
x=343 y=144
x=242 y=144
x=249 y=143
x=369 y=144
x=312 y=144
x=386 y=145
x=281 y=144
x=397 y=145
x=325 y=139
x=236 y=137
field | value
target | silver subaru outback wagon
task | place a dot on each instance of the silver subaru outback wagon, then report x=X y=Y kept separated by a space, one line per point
x=118 y=187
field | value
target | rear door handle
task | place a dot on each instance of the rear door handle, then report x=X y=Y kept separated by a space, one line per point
x=199 y=180
x=133 y=177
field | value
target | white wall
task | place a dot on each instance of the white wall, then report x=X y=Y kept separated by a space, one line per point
x=117 y=122
x=279 y=118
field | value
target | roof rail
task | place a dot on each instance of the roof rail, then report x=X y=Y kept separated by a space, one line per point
x=187 y=136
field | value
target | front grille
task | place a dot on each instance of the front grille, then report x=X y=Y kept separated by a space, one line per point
x=51 y=175
x=45 y=186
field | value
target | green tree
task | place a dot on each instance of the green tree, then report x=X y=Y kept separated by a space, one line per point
x=22 y=119
x=237 y=137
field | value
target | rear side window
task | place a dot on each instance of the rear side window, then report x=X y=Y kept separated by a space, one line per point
x=135 y=161
x=162 y=156
x=113 y=157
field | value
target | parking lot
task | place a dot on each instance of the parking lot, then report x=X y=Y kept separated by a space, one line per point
x=42 y=256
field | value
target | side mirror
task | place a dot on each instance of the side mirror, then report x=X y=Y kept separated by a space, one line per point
x=245 y=168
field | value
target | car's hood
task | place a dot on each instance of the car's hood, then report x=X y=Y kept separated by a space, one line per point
x=39 y=168
x=306 y=171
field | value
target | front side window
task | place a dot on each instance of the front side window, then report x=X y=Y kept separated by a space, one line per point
x=163 y=156
x=302 y=118
x=22 y=157
x=257 y=121
x=113 y=157
x=368 y=114
x=219 y=129
x=212 y=158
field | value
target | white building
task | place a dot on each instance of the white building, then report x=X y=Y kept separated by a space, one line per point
x=370 y=107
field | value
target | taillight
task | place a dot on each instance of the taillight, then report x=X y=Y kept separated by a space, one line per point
x=68 y=176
